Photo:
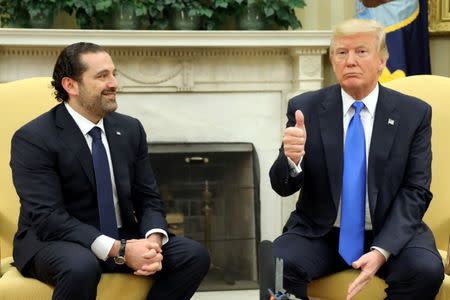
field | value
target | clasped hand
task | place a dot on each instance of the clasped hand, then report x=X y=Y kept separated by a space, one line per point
x=144 y=256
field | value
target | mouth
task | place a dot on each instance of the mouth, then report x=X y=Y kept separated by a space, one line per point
x=109 y=94
x=352 y=75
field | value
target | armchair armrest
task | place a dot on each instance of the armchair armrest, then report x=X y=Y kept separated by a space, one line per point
x=5 y=265
x=447 y=260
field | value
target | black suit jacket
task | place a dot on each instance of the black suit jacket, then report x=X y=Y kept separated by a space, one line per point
x=54 y=178
x=399 y=168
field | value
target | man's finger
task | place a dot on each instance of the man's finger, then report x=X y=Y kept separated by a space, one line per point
x=294 y=132
x=299 y=119
x=143 y=273
x=356 y=289
x=153 y=245
x=357 y=263
x=150 y=254
x=153 y=267
x=356 y=286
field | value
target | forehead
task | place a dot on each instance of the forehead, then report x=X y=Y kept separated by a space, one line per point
x=97 y=62
x=367 y=39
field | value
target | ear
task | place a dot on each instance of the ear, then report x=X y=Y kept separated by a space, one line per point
x=70 y=85
x=332 y=63
x=382 y=65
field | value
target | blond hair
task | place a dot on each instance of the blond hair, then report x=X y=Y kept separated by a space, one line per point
x=355 y=26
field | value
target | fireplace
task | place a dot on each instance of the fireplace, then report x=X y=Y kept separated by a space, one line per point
x=210 y=193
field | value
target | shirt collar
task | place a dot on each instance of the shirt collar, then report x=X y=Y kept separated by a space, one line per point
x=84 y=124
x=370 y=101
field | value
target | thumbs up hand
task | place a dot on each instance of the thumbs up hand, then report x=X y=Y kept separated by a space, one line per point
x=294 y=139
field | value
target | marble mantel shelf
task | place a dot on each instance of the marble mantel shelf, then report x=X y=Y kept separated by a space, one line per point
x=136 y=38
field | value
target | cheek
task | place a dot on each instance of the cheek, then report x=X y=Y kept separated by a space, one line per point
x=338 y=71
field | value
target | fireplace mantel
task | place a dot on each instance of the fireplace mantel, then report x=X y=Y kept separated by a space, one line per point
x=195 y=86
x=32 y=52
x=163 y=38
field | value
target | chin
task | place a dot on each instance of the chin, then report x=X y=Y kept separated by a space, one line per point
x=113 y=108
x=351 y=83
x=110 y=107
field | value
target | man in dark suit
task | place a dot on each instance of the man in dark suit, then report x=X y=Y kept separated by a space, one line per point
x=360 y=154
x=83 y=214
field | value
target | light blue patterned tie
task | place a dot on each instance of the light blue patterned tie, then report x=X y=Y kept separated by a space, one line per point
x=108 y=222
x=351 y=238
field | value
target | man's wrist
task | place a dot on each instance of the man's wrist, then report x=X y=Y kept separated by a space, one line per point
x=382 y=251
x=156 y=237
x=119 y=259
x=114 y=249
x=294 y=169
x=165 y=237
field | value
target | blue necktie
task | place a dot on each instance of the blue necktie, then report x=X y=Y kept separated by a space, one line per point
x=351 y=238
x=108 y=222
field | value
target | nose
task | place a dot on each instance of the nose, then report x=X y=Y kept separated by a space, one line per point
x=351 y=58
x=113 y=82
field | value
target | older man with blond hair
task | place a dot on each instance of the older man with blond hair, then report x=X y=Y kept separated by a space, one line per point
x=360 y=154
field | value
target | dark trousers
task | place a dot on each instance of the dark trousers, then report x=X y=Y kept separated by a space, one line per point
x=415 y=273
x=75 y=271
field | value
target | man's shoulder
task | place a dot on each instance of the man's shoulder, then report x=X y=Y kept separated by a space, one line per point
x=42 y=122
x=316 y=94
x=403 y=100
x=314 y=98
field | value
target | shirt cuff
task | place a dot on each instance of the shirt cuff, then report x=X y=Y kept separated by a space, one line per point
x=165 y=238
x=294 y=170
x=101 y=246
x=385 y=253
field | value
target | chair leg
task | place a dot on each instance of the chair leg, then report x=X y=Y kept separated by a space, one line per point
x=266 y=270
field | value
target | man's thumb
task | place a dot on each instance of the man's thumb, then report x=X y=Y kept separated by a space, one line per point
x=357 y=264
x=299 y=119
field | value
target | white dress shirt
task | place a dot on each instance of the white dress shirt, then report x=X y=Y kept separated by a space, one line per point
x=103 y=244
x=367 y=117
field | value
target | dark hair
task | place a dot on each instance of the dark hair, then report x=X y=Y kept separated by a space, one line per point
x=69 y=65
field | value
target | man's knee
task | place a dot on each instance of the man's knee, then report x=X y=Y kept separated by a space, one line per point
x=292 y=269
x=199 y=255
x=430 y=273
x=84 y=270
x=418 y=271
x=292 y=265
x=187 y=255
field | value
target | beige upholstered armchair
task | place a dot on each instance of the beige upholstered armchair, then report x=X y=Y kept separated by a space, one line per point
x=436 y=91
x=21 y=101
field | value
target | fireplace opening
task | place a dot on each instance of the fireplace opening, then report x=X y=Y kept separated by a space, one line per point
x=210 y=193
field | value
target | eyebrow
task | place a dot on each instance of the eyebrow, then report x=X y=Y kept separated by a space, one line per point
x=353 y=47
x=105 y=71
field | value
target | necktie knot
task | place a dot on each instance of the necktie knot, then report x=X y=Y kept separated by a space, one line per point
x=358 y=106
x=95 y=133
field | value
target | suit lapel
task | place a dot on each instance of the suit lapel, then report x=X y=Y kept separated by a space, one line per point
x=331 y=128
x=384 y=130
x=71 y=134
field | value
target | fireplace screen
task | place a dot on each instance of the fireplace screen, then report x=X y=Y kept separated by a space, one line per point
x=210 y=195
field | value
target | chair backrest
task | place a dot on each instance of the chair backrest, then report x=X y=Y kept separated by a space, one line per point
x=435 y=90
x=20 y=102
